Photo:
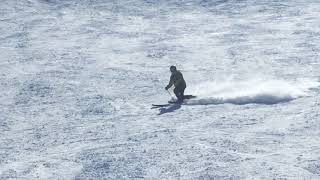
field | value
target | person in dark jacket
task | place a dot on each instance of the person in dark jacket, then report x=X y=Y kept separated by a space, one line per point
x=179 y=83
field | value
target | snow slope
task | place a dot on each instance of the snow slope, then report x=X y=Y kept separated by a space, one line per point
x=77 y=80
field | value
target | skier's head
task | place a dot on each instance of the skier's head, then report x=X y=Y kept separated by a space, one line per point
x=173 y=68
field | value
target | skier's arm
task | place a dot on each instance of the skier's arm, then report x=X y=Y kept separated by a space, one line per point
x=170 y=83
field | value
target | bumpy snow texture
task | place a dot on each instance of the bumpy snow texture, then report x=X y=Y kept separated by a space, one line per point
x=78 y=77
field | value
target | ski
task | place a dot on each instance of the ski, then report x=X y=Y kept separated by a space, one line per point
x=185 y=97
x=170 y=103
x=173 y=102
x=159 y=105
x=189 y=96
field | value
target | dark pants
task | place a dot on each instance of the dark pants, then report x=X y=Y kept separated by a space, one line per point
x=179 y=92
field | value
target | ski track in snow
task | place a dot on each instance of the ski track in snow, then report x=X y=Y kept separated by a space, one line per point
x=256 y=91
x=77 y=79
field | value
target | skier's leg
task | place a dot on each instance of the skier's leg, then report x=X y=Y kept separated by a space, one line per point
x=176 y=92
x=180 y=94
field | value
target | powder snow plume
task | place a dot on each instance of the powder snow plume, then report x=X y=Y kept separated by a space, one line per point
x=255 y=91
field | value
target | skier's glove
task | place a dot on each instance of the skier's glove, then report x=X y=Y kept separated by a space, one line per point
x=166 y=88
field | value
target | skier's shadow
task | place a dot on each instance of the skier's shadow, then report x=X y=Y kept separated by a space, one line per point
x=169 y=109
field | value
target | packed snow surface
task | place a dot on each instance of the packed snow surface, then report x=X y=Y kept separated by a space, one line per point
x=78 y=77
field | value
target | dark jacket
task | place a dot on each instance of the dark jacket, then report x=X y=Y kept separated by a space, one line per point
x=177 y=80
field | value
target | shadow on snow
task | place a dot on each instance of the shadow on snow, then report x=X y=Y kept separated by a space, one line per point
x=169 y=109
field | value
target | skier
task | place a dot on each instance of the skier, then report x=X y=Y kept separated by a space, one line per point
x=179 y=83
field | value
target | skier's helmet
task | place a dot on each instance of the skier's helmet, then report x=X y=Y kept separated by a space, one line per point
x=173 y=68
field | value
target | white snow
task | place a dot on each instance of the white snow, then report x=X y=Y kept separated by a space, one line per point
x=77 y=80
